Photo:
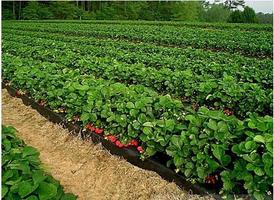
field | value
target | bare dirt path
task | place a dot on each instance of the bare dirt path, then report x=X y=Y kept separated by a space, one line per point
x=83 y=168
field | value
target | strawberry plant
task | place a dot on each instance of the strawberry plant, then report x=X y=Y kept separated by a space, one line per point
x=22 y=174
x=208 y=111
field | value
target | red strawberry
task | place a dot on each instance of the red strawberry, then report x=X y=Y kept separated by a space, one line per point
x=17 y=93
x=134 y=143
x=89 y=126
x=228 y=112
x=99 y=130
x=119 y=144
x=140 y=149
x=111 y=138
x=92 y=129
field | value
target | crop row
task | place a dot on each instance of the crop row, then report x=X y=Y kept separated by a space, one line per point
x=252 y=43
x=198 y=61
x=238 y=26
x=199 y=143
x=23 y=176
x=204 y=89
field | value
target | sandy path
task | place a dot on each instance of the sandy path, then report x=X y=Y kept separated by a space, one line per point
x=82 y=167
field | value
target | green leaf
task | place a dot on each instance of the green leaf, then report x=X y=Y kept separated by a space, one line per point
x=225 y=160
x=222 y=126
x=68 y=196
x=250 y=145
x=250 y=167
x=201 y=172
x=150 y=151
x=28 y=150
x=46 y=191
x=213 y=165
x=6 y=175
x=259 y=196
x=93 y=117
x=212 y=125
x=178 y=160
x=130 y=105
x=148 y=124
x=191 y=118
x=170 y=124
x=251 y=125
x=32 y=197
x=187 y=172
x=259 y=138
x=147 y=130
x=218 y=152
x=38 y=176
x=259 y=171
x=25 y=188
x=85 y=117
x=5 y=190
x=175 y=140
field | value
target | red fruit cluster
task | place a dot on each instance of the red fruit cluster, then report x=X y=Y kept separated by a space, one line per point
x=111 y=138
x=140 y=149
x=211 y=179
x=114 y=139
x=119 y=144
x=92 y=128
x=133 y=143
x=228 y=112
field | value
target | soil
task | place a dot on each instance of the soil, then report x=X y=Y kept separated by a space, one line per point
x=85 y=169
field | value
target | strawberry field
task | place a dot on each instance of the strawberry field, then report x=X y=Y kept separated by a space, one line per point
x=201 y=94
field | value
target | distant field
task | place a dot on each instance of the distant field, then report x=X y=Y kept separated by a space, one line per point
x=198 y=92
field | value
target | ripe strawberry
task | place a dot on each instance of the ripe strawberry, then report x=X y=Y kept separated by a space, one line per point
x=119 y=144
x=140 y=149
x=111 y=138
x=17 y=93
x=88 y=126
x=92 y=129
x=228 y=112
x=99 y=130
x=133 y=142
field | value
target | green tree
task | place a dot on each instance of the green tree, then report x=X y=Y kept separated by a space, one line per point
x=31 y=10
x=265 y=18
x=249 y=15
x=187 y=11
x=217 y=13
x=7 y=14
x=64 y=10
x=236 y=17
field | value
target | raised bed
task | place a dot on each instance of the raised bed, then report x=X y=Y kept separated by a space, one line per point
x=156 y=163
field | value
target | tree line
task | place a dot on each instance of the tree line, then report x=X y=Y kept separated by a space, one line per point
x=192 y=11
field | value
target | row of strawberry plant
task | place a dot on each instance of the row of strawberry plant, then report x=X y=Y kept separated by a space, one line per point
x=253 y=43
x=215 y=64
x=224 y=92
x=238 y=26
x=22 y=174
x=199 y=143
